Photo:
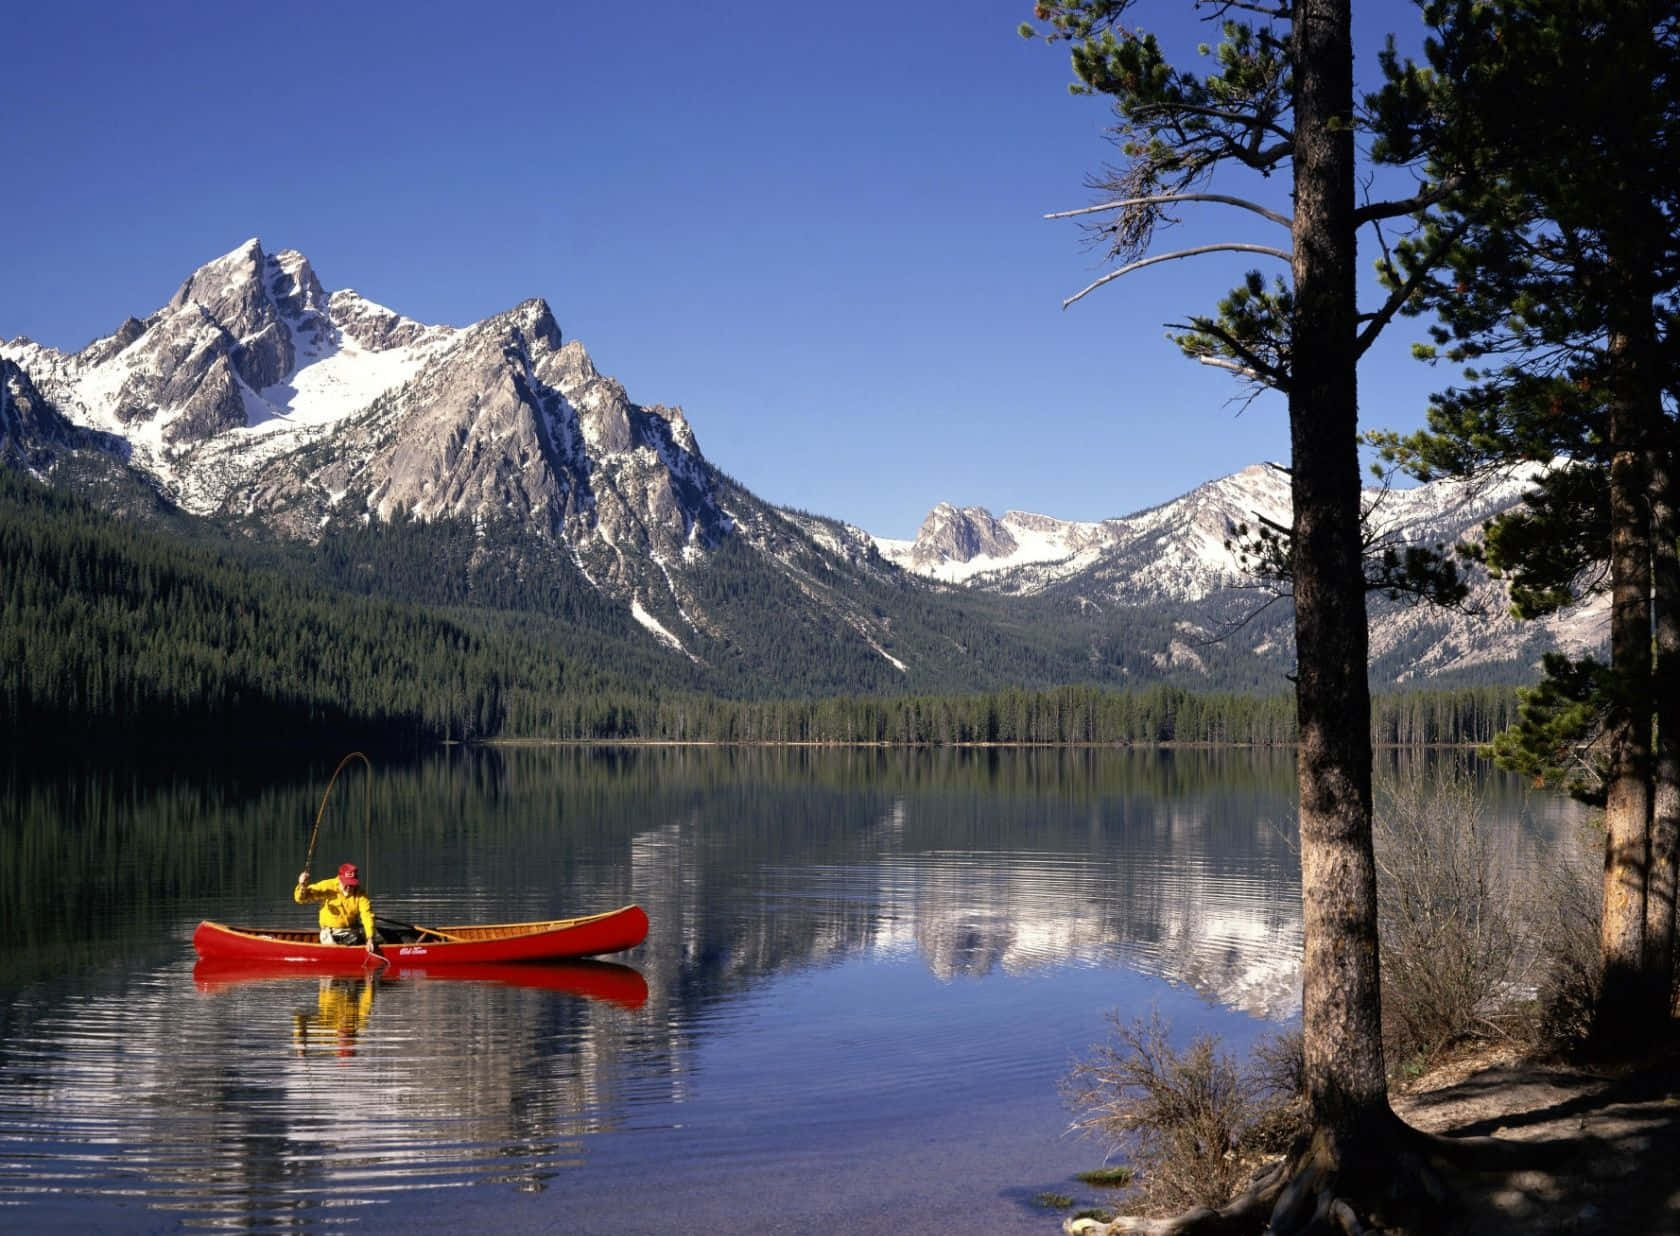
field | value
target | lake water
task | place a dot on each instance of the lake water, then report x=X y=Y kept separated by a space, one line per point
x=866 y=973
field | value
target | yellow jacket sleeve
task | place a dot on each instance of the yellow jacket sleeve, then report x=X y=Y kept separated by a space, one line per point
x=338 y=909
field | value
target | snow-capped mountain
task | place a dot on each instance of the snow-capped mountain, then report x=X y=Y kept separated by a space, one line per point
x=1176 y=551
x=1187 y=551
x=254 y=392
x=254 y=396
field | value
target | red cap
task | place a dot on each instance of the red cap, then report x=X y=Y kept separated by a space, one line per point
x=347 y=874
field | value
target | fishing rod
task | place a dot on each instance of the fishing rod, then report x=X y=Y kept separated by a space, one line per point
x=309 y=856
x=367 y=829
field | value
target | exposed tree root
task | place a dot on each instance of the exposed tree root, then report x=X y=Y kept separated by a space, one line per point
x=1393 y=1180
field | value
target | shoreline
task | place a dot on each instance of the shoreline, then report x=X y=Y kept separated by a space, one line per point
x=838 y=744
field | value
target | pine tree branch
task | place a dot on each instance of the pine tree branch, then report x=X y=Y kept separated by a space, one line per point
x=1248 y=121
x=1166 y=198
x=1282 y=255
x=1400 y=295
x=1247 y=362
x=1277 y=12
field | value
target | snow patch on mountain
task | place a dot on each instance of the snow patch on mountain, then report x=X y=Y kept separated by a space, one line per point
x=652 y=624
x=339 y=377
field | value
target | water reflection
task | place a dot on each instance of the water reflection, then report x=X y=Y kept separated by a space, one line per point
x=256 y=1097
x=268 y=1096
x=595 y=980
x=341 y=1010
x=998 y=865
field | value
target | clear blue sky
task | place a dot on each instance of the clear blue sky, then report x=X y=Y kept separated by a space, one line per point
x=815 y=227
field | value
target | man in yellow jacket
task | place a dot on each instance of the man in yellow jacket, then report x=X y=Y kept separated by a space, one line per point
x=346 y=913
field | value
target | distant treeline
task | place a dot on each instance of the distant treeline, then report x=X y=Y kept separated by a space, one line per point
x=112 y=630
x=1061 y=716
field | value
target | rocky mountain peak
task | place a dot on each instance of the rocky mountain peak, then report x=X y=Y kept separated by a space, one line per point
x=604 y=417
x=572 y=368
x=682 y=433
x=253 y=394
x=950 y=534
x=536 y=320
x=102 y=350
x=234 y=290
x=229 y=287
x=292 y=285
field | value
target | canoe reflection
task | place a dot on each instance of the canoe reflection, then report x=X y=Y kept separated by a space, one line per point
x=594 y=980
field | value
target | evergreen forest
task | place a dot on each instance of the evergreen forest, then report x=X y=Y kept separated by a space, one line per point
x=413 y=633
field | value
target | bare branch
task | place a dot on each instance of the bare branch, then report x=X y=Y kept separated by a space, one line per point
x=1387 y=262
x=1162 y=199
x=1283 y=255
x=1371 y=212
x=1231 y=366
x=1230 y=629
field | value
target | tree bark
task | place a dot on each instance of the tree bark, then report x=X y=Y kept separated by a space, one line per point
x=1625 y=1004
x=1661 y=884
x=1341 y=993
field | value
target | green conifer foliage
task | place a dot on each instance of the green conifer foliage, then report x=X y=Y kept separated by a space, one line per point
x=1557 y=298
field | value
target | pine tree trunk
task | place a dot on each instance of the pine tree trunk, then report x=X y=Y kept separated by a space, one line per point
x=1665 y=805
x=1626 y=1000
x=1341 y=1001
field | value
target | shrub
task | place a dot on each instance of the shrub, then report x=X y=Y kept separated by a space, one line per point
x=1457 y=950
x=1572 y=966
x=1194 y=1125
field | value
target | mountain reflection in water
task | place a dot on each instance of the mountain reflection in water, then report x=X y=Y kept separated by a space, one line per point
x=852 y=953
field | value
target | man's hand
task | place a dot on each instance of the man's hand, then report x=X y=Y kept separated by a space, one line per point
x=303 y=877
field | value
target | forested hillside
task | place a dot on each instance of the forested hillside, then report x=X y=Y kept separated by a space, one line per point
x=111 y=629
x=414 y=632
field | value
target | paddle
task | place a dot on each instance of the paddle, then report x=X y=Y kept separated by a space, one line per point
x=423 y=931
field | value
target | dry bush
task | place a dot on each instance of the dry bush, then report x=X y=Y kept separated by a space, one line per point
x=1457 y=947
x=1278 y=1072
x=1193 y=1125
x=1571 y=965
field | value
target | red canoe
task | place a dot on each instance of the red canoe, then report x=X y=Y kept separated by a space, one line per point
x=558 y=939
